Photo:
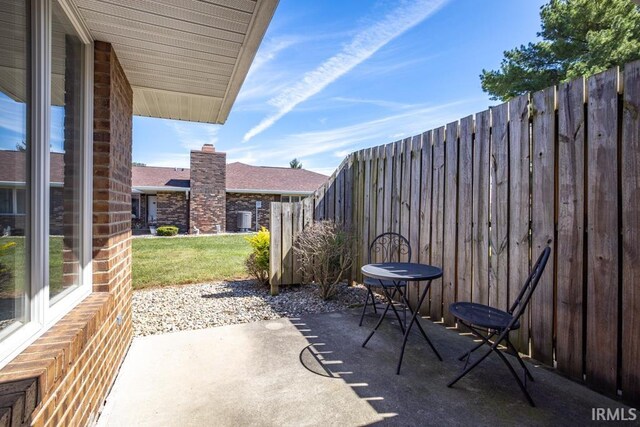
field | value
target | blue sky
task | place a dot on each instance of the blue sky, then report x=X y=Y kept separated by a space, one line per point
x=334 y=76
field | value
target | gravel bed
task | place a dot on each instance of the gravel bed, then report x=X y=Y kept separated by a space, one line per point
x=188 y=307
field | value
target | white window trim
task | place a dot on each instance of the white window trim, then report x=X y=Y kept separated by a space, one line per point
x=41 y=316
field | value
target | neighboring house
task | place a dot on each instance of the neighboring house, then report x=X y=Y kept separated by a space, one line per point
x=208 y=196
x=13 y=196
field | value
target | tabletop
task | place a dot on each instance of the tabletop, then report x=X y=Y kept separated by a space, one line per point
x=406 y=271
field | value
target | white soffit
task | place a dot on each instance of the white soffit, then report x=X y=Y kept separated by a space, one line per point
x=185 y=59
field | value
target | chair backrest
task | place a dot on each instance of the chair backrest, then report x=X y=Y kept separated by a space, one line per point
x=520 y=304
x=388 y=247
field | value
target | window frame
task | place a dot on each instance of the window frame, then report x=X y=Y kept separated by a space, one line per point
x=41 y=316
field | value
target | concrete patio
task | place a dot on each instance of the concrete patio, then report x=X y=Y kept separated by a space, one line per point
x=266 y=374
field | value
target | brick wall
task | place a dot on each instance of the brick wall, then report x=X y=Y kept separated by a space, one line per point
x=173 y=209
x=64 y=376
x=247 y=202
x=208 y=189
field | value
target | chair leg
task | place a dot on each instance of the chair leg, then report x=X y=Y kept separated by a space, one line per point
x=386 y=309
x=494 y=348
x=373 y=300
x=390 y=299
x=516 y=376
x=520 y=361
x=366 y=302
x=468 y=369
x=480 y=344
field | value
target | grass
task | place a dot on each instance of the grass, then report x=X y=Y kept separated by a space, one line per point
x=181 y=260
x=12 y=257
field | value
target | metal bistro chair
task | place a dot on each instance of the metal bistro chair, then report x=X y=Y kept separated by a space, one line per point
x=480 y=318
x=387 y=247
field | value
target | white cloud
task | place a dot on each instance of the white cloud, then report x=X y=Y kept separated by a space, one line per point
x=343 y=140
x=365 y=43
x=269 y=50
x=169 y=160
x=193 y=136
x=376 y=102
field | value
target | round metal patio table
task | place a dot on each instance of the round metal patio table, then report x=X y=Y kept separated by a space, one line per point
x=393 y=275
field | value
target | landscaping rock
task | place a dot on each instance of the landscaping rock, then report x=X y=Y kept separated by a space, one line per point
x=188 y=307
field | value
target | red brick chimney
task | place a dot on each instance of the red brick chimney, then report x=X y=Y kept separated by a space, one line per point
x=208 y=190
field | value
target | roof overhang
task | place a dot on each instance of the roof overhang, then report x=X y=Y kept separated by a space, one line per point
x=155 y=189
x=257 y=191
x=185 y=59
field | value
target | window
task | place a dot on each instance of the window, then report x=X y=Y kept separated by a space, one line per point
x=135 y=207
x=6 y=201
x=290 y=199
x=12 y=201
x=15 y=144
x=45 y=169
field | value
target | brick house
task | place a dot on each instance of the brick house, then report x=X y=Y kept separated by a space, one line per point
x=72 y=75
x=211 y=192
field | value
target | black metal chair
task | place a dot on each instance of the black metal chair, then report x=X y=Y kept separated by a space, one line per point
x=487 y=322
x=387 y=247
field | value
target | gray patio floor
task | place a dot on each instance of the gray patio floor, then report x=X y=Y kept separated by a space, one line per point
x=260 y=374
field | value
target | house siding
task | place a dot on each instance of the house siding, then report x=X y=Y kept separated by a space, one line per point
x=247 y=202
x=64 y=376
x=173 y=209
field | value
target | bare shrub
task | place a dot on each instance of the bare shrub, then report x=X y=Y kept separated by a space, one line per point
x=324 y=254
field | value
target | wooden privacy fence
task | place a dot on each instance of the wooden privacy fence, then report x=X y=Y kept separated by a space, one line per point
x=482 y=196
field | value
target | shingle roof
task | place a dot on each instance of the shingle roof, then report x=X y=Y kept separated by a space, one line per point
x=262 y=178
x=13 y=166
x=239 y=177
x=153 y=176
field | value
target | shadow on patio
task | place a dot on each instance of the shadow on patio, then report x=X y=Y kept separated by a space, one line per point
x=266 y=373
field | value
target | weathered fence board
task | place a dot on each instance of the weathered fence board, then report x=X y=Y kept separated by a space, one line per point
x=287 y=243
x=480 y=288
x=414 y=218
x=388 y=183
x=499 y=212
x=519 y=204
x=359 y=259
x=366 y=220
x=426 y=180
x=450 y=220
x=397 y=187
x=380 y=197
x=339 y=197
x=373 y=193
x=275 y=248
x=330 y=198
x=602 y=216
x=437 y=218
x=543 y=221
x=630 y=177
x=465 y=205
x=320 y=202
x=571 y=199
x=482 y=197
x=405 y=193
x=297 y=226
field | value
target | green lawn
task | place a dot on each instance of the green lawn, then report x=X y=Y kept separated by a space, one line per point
x=178 y=260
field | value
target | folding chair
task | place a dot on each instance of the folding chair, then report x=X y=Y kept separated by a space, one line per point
x=387 y=247
x=483 y=320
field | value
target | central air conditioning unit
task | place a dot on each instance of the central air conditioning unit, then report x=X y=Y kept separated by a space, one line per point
x=243 y=220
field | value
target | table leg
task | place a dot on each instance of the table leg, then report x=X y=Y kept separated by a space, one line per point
x=414 y=319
